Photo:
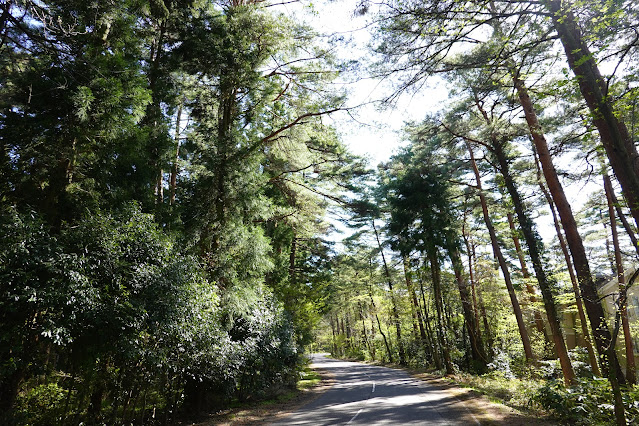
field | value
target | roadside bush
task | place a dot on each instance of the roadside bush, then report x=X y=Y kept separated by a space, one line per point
x=125 y=328
x=587 y=403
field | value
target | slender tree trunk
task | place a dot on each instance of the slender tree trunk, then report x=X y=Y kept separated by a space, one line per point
x=622 y=301
x=520 y=252
x=477 y=349
x=176 y=158
x=434 y=265
x=573 y=279
x=379 y=327
x=429 y=331
x=332 y=321
x=614 y=135
x=631 y=374
x=396 y=320
x=367 y=343
x=471 y=275
x=411 y=293
x=609 y=251
x=535 y=249
x=291 y=261
x=521 y=324
x=575 y=243
x=539 y=321
x=631 y=233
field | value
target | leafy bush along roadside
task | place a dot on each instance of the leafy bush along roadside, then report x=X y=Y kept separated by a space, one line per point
x=108 y=322
x=587 y=403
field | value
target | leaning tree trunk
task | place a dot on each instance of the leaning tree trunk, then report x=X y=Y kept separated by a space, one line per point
x=535 y=250
x=521 y=324
x=631 y=374
x=539 y=321
x=594 y=309
x=573 y=279
x=614 y=135
x=624 y=221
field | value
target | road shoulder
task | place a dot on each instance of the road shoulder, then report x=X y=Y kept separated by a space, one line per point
x=264 y=412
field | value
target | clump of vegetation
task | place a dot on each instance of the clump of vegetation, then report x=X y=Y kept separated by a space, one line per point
x=512 y=391
x=587 y=403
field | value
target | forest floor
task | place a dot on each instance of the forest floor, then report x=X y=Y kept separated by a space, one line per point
x=486 y=409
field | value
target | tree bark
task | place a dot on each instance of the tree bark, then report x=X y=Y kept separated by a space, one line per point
x=441 y=335
x=396 y=320
x=614 y=135
x=575 y=243
x=521 y=324
x=573 y=279
x=631 y=372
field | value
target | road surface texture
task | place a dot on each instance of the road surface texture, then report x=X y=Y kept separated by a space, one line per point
x=371 y=395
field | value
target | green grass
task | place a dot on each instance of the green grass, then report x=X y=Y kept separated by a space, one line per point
x=513 y=392
x=308 y=379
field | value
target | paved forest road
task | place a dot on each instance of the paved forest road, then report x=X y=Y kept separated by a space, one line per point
x=370 y=395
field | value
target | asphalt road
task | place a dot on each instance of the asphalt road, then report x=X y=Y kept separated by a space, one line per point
x=370 y=395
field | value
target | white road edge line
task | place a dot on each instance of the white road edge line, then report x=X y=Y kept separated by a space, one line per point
x=356 y=414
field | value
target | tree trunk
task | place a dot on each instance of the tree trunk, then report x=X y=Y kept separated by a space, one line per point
x=441 y=334
x=535 y=249
x=429 y=331
x=477 y=348
x=614 y=135
x=575 y=243
x=523 y=333
x=176 y=158
x=367 y=343
x=631 y=375
x=471 y=275
x=624 y=221
x=398 y=329
x=573 y=279
x=539 y=321
x=379 y=327
x=291 y=261
x=411 y=294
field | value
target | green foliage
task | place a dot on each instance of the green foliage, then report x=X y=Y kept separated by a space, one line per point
x=587 y=403
x=40 y=405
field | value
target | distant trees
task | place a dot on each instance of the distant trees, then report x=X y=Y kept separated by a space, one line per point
x=515 y=122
